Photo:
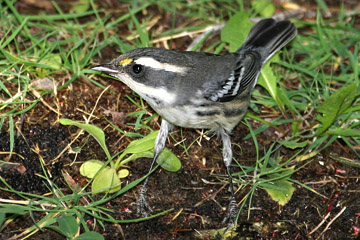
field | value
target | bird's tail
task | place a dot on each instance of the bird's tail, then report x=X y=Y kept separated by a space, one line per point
x=268 y=36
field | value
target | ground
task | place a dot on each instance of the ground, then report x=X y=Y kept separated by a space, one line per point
x=197 y=194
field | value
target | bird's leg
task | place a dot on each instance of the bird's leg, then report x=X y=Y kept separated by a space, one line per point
x=227 y=156
x=142 y=204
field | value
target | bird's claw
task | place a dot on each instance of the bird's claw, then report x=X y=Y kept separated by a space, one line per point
x=231 y=214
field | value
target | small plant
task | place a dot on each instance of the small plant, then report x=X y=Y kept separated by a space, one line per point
x=68 y=226
x=272 y=175
x=62 y=212
x=107 y=178
x=338 y=104
x=61 y=215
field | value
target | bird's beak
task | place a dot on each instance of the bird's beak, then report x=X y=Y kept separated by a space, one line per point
x=106 y=68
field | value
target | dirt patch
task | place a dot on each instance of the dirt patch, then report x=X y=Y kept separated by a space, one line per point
x=188 y=190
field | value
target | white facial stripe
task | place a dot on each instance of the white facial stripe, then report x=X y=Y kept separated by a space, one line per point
x=104 y=69
x=150 y=62
x=147 y=92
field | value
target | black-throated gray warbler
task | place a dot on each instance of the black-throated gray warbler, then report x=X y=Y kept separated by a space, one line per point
x=200 y=90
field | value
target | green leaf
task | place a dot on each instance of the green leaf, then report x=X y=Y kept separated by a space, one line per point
x=140 y=146
x=94 y=131
x=145 y=154
x=53 y=61
x=143 y=144
x=169 y=161
x=236 y=30
x=280 y=191
x=145 y=148
x=3 y=88
x=106 y=181
x=335 y=105
x=294 y=144
x=350 y=162
x=12 y=135
x=90 y=236
x=13 y=209
x=90 y=168
x=67 y=225
x=81 y=6
x=268 y=81
x=295 y=127
x=2 y=219
x=348 y=132
x=265 y=8
x=123 y=173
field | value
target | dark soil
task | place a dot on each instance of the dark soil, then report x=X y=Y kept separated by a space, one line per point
x=183 y=190
x=196 y=193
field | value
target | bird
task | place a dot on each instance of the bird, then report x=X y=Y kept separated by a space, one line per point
x=200 y=90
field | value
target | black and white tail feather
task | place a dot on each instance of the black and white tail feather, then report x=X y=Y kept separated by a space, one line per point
x=268 y=37
x=265 y=39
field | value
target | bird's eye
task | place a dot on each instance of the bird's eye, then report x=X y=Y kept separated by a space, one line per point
x=137 y=68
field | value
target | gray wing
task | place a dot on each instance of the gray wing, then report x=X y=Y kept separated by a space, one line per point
x=244 y=74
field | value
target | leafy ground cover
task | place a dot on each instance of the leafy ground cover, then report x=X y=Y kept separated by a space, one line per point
x=296 y=153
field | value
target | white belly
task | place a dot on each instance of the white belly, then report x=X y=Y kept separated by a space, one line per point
x=185 y=117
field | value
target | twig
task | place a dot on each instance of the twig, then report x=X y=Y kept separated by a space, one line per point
x=328 y=225
x=210 y=196
x=26 y=202
x=331 y=221
x=320 y=224
x=213 y=30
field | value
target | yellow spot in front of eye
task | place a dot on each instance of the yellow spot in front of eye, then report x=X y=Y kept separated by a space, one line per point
x=125 y=61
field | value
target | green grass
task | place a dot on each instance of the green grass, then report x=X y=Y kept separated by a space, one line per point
x=322 y=60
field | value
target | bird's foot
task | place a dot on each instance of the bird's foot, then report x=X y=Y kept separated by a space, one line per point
x=231 y=214
x=142 y=204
